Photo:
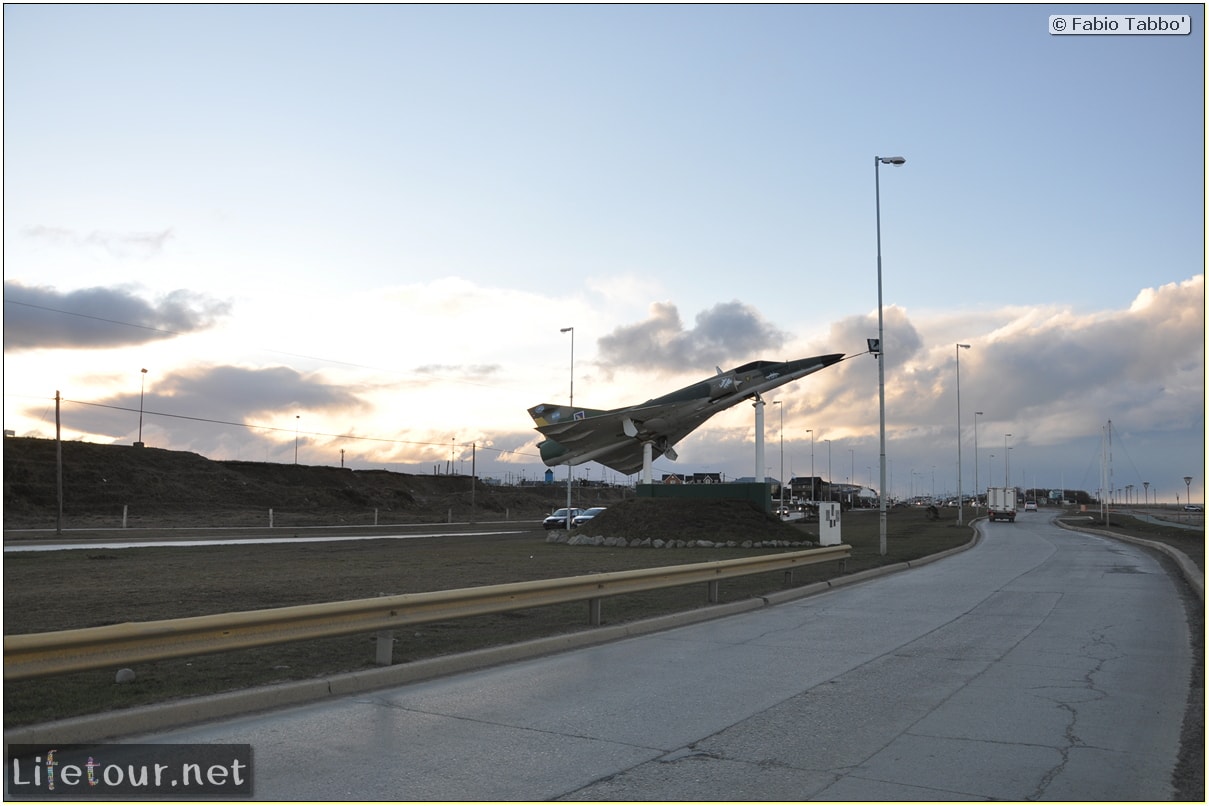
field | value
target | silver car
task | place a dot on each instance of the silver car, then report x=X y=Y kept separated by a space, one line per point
x=558 y=519
x=587 y=515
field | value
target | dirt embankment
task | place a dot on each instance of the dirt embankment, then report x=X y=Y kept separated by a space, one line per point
x=156 y=487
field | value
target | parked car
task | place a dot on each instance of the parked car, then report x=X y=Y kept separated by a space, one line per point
x=558 y=518
x=1030 y=506
x=586 y=515
x=1193 y=508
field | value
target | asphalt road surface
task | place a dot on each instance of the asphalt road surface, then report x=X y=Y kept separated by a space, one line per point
x=1040 y=665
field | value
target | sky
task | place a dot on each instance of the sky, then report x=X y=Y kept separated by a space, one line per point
x=354 y=235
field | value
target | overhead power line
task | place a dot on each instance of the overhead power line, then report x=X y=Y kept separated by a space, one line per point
x=292 y=431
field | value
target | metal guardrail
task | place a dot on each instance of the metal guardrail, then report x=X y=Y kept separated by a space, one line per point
x=44 y=654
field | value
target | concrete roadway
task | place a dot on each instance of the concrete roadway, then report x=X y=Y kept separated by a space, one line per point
x=1041 y=664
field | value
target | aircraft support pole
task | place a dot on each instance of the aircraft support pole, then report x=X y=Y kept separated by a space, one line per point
x=647 y=461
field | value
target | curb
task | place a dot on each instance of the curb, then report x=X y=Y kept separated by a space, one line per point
x=1194 y=576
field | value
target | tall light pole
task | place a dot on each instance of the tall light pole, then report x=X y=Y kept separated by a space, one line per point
x=958 y=350
x=851 y=476
x=977 y=414
x=881 y=348
x=296 y=418
x=142 y=385
x=811 y=432
x=781 y=481
x=570 y=330
x=830 y=497
x=1007 y=462
x=1187 y=490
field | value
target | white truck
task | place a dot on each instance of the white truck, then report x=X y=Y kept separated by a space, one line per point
x=1001 y=503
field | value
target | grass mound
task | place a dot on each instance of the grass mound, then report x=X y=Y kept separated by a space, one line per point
x=640 y=518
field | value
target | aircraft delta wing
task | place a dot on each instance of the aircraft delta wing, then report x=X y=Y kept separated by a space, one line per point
x=618 y=438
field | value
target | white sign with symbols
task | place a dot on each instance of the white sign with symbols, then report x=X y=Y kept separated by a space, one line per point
x=829 y=523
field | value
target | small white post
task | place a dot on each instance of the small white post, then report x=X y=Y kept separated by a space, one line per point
x=384 y=648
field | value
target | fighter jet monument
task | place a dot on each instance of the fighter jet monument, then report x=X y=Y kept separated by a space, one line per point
x=629 y=439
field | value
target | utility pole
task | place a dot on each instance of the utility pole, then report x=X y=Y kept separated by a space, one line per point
x=58 y=465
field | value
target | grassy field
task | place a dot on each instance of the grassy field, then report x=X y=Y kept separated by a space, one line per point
x=55 y=591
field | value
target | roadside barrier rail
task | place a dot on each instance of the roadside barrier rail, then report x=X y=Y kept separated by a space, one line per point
x=115 y=645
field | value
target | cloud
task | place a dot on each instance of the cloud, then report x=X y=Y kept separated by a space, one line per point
x=1050 y=376
x=41 y=317
x=727 y=332
x=209 y=409
x=116 y=244
x=460 y=373
x=1144 y=364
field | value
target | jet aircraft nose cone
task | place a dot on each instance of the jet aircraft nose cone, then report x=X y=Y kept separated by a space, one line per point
x=834 y=358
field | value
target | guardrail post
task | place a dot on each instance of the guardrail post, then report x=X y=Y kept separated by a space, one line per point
x=712 y=594
x=788 y=577
x=384 y=651
x=594 y=611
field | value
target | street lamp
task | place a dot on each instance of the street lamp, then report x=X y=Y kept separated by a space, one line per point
x=570 y=330
x=830 y=489
x=811 y=432
x=296 y=418
x=1187 y=490
x=881 y=348
x=958 y=350
x=781 y=480
x=142 y=385
x=1007 y=462
x=977 y=414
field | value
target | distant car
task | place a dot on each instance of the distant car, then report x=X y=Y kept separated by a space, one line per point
x=1030 y=506
x=558 y=518
x=1193 y=508
x=586 y=515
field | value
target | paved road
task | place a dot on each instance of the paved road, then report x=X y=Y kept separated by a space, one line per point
x=1040 y=665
